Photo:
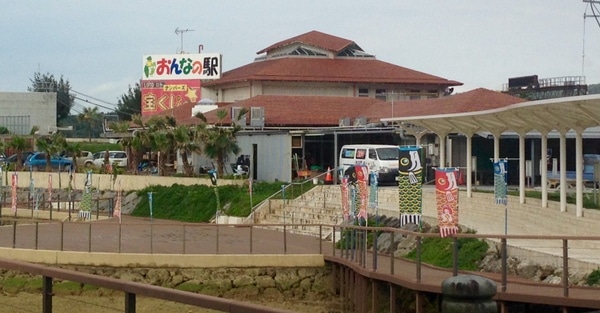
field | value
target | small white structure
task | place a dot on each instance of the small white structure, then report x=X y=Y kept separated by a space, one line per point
x=204 y=106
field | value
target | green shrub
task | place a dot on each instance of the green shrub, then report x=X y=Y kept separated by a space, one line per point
x=593 y=278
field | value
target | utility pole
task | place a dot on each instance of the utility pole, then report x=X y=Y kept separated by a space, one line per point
x=182 y=31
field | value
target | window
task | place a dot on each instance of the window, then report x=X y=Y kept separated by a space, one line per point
x=296 y=141
x=380 y=94
x=363 y=92
x=388 y=153
x=372 y=154
x=361 y=153
x=415 y=94
x=348 y=153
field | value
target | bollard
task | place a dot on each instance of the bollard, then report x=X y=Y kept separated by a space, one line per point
x=468 y=294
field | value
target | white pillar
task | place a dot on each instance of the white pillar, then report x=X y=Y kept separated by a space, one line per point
x=579 y=173
x=418 y=139
x=563 y=171
x=496 y=147
x=544 y=169
x=449 y=152
x=469 y=170
x=442 y=150
x=522 y=172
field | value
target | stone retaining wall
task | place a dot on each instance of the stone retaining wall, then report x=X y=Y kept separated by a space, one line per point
x=266 y=284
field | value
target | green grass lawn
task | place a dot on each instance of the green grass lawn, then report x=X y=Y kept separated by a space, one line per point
x=198 y=203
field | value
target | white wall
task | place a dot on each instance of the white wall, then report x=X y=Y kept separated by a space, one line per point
x=274 y=159
x=40 y=107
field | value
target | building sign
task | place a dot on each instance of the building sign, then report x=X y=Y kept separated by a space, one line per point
x=181 y=66
x=164 y=95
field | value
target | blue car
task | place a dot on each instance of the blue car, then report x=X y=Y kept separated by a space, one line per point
x=38 y=161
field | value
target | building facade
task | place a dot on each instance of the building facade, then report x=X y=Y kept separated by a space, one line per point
x=21 y=111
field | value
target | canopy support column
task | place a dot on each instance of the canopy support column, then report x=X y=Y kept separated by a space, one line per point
x=544 y=169
x=563 y=170
x=522 y=168
x=579 y=173
x=469 y=170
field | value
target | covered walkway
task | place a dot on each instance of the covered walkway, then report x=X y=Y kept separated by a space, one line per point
x=488 y=111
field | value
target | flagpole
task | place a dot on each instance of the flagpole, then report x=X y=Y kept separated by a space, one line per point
x=506 y=193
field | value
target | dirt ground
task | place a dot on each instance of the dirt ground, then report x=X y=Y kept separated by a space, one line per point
x=27 y=302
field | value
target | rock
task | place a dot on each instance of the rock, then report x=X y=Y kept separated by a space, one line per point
x=242 y=280
x=157 y=276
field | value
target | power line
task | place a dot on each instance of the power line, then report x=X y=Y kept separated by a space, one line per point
x=94 y=98
x=115 y=107
x=96 y=104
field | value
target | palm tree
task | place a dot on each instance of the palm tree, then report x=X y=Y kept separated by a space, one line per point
x=51 y=145
x=219 y=141
x=19 y=144
x=161 y=143
x=185 y=144
x=126 y=141
x=74 y=150
x=90 y=116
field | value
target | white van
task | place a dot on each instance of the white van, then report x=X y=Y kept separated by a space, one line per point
x=382 y=159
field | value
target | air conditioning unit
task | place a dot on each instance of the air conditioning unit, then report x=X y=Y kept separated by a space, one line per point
x=257 y=116
x=235 y=112
x=360 y=121
x=344 y=121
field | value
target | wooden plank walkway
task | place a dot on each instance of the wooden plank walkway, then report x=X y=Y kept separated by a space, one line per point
x=134 y=235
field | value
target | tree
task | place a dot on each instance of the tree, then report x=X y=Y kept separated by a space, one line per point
x=51 y=144
x=130 y=103
x=19 y=144
x=185 y=143
x=127 y=142
x=90 y=116
x=47 y=83
x=74 y=150
x=220 y=141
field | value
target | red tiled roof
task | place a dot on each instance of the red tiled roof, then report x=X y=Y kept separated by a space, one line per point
x=313 y=38
x=348 y=70
x=322 y=111
x=471 y=101
x=302 y=111
x=181 y=112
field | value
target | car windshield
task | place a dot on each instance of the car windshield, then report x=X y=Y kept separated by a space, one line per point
x=387 y=153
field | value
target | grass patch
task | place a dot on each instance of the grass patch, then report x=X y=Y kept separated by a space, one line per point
x=189 y=287
x=97 y=147
x=13 y=285
x=438 y=252
x=198 y=203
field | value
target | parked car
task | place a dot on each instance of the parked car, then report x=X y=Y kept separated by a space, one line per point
x=116 y=158
x=11 y=160
x=38 y=160
x=85 y=158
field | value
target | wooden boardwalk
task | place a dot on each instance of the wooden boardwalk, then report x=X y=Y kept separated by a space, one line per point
x=141 y=235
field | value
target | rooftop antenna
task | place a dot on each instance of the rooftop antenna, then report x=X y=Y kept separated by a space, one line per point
x=595 y=14
x=181 y=31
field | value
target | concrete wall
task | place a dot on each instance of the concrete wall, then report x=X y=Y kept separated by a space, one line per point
x=38 y=107
x=308 y=89
x=52 y=257
x=105 y=181
x=274 y=156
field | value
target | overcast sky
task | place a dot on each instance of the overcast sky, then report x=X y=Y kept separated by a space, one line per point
x=98 y=45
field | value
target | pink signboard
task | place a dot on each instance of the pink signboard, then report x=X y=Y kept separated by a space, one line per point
x=163 y=95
